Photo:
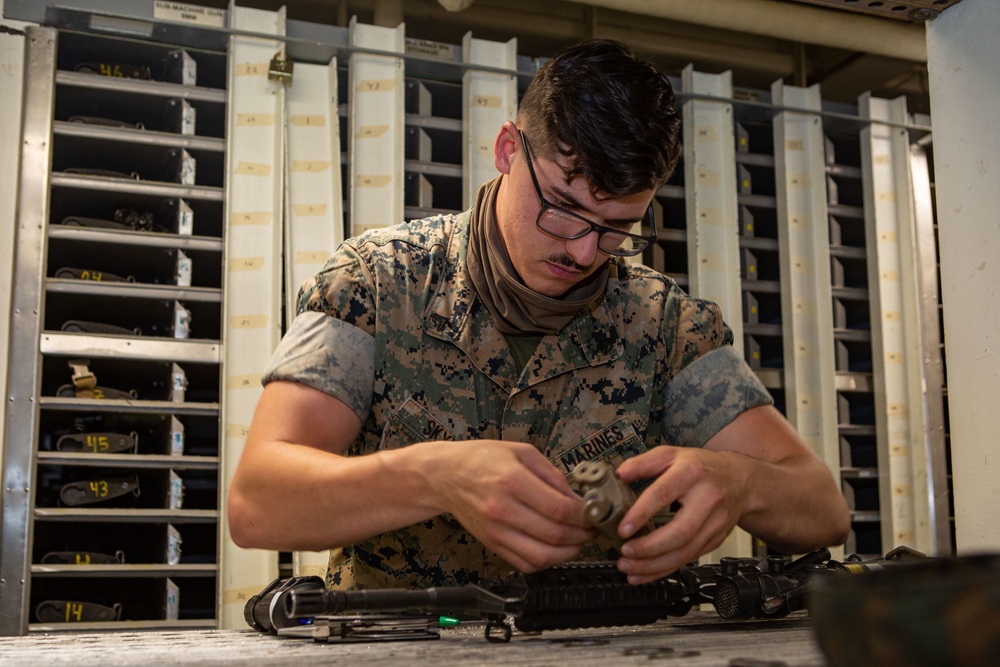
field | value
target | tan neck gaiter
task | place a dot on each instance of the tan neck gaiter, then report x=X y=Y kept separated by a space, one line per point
x=516 y=309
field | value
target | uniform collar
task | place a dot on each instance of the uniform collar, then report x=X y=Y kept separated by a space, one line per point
x=456 y=315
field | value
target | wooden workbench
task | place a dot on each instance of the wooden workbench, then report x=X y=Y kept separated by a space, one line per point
x=700 y=639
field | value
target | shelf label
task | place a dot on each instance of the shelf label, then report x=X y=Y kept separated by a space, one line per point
x=373 y=181
x=251 y=69
x=248 y=321
x=311 y=166
x=376 y=85
x=711 y=216
x=707 y=177
x=311 y=257
x=246 y=264
x=178 y=380
x=307 y=120
x=427 y=48
x=371 y=131
x=798 y=180
x=706 y=133
x=255 y=119
x=176 y=436
x=251 y=218
x=487 y=101
x=309 y=210
x=253 y=168
x=251 y=381
x=179 y=11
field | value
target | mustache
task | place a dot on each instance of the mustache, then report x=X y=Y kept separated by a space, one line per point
x=567 y=261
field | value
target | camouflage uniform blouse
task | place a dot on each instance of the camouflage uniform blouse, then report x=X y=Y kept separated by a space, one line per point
x=392 y=327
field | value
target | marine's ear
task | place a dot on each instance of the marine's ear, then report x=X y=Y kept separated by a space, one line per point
x=507 y=143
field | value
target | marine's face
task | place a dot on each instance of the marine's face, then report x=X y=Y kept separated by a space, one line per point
x=548 y=264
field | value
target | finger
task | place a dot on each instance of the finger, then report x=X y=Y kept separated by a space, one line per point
x=544 y=469
x=641 y=571
x=520 y=547
x=648 y=464
x=669 y=487
x=528 y=505
x=673 y=545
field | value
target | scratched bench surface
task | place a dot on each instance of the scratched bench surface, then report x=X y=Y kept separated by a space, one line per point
x=700 y=639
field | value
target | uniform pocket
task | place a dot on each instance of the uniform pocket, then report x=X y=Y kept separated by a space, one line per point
x=412 y=423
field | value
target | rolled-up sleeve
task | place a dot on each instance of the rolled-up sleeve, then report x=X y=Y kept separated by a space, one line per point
x=328 y=354
x=707 y=394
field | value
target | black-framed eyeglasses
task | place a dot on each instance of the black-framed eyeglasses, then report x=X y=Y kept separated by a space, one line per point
x=565 y=224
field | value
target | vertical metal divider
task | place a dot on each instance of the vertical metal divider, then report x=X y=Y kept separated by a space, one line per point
x=24 y=360
x=488 y=99
x=376 y=146
x=925 y=244
x=12 y=63
x=314 y=223
x=804 y=255
x=712 y=219
x=895 y=322
x=253 y=277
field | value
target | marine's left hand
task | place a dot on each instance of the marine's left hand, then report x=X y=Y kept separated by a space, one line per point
x=711 y=489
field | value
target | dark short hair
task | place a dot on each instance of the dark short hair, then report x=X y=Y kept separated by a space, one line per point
x=613 y=114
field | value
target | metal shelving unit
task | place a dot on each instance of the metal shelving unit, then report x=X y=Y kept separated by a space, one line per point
x=116 y=431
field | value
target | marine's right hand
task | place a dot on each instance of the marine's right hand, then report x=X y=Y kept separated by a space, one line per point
x=510 y=497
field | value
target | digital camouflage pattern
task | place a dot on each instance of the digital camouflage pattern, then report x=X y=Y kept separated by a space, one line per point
x=940 y=611
x=392 y=326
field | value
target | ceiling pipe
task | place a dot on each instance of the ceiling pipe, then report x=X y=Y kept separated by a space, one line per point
x=790 y=21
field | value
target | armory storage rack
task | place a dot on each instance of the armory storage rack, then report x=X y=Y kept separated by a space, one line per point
x=121 y=524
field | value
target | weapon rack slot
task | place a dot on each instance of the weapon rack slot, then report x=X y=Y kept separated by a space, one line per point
x=139 y=543
x=144 y=161
x=146 y=265
x=153 y=431
x=141 y=598
x=150 y=380
x=432 y=147
x=156 y=114
x=78 y=47
x=147 y=318
x=102 y=205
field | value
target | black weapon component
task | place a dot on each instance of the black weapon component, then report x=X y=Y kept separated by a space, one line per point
x=98 y=443
x=89 y=491
x=742 y=588
x=126 y=219
x=83 y=558
x=119 y=70
x=265 y=611
x=772 y=588
x=368 y=628
x=94 y=223
x=105 y=173
x=575 y=595
x=140 y=222
x=108 y=393
x=106 y=122
x=72 y=611
x=91 y=274
x=83 y=326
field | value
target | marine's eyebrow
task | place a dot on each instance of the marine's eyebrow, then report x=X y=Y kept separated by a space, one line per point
x=572 y=201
